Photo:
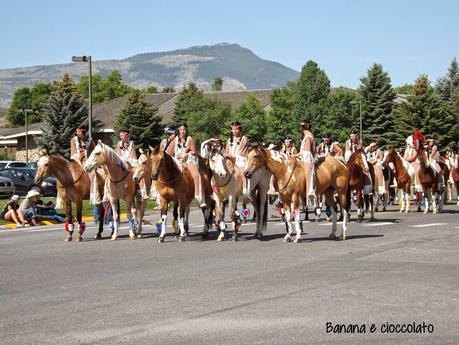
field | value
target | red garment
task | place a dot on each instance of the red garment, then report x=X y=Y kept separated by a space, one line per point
x=418 y=140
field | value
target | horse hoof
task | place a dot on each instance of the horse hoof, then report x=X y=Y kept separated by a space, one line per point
x=98 y=236
x=332 y=237
x=287 y=240
x=376 y=209
x=139 y=236
x=79 y=238
x=384 y=209
x=372 y=219
x=132 y=237
x=220 y=239
x=114 y=238
x=235 y=238
x=343 y=237
x=258 y=236
x=181 y=239
x=426 y=211
x=160 y=239
x=297 y=240
x=68 y=239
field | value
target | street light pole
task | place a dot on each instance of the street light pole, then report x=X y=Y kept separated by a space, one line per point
x=26 y=111
x=360 y=115
x=87 y=58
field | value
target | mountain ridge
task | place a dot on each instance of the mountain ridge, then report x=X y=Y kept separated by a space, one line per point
x=239 y=67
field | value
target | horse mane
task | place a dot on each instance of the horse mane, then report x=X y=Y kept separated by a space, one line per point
x=112 y=155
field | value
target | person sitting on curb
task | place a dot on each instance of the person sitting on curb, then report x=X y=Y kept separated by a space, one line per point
x=10 y=211
x=27 y=208
x=48 y=210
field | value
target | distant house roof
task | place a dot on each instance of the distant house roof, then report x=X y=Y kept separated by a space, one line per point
x=165 y=102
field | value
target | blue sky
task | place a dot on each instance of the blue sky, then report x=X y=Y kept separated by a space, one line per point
x=344 y=37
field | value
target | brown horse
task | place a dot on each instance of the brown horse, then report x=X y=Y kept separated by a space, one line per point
x=401 y=175
x=119 y=185
x=331 y=176
x=455 y=175
x=175 y=184
x=428 y=180
x=73 y=185
x=357 y=165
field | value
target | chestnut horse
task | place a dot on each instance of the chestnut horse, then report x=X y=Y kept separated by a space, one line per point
x=401 y=175
x=175 y=184
x=73 y=185
x=455 y=175
x=119 y=185
x=429 y=182
x=331 y=175
x=357 y=165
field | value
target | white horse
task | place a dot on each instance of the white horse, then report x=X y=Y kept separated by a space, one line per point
x=119 y=185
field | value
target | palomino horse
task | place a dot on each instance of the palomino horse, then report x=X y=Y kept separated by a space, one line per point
x=73 y=185
x=331 y=176
x=175 y=184
x=228 y=187
x=429 y=182
x=119 y=185
x=455 y=175
x=357 y=165
x=401 y=175
x=228 y=180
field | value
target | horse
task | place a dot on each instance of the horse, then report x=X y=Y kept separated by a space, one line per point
x=331 y=175
x=358 y=182
x=143 y=171
x=428 y=180
x=455 y=175
x=401 y=175
x=228 y=183
x=257 y=191
x=73 y=185
x=175 y=184
x=119 y=184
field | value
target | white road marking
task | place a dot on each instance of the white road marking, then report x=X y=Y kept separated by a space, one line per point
x=379 y=224
x=426 y=225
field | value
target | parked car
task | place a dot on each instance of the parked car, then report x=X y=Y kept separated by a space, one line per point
x=12 y=164
x=7 y=188
x=23 y=179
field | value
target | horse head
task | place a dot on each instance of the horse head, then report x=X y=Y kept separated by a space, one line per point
x=142 y=168
x=42 y=167
x=389 y=155
x=156 y=160
x=96 y=159
x=217 y=163
x=256 y=159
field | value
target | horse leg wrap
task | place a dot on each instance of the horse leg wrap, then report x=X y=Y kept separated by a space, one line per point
x=69 y=228
x=132 y=224
x=82 y=228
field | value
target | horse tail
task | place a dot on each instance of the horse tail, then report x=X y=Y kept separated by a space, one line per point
x=59 y=204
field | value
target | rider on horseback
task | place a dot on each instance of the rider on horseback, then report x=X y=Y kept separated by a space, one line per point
x=183 y=149
x=329 y=148
x=288 y=148
x=351 y=145
x=81 y=146
x=307 y=156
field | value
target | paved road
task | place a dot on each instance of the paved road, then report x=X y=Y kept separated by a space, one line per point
x=400 y=269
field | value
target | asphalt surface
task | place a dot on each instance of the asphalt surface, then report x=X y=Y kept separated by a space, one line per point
x=400 y=269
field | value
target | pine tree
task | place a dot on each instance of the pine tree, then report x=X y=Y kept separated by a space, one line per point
x=217 y=84
x=448 y=85
x=63 y=113
x=313 y=88
x=141 y=119
x=252 y=118
x=426 y=112
x=377 y=103
x=342 y=116
x=190 y=100
x=280 y=119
